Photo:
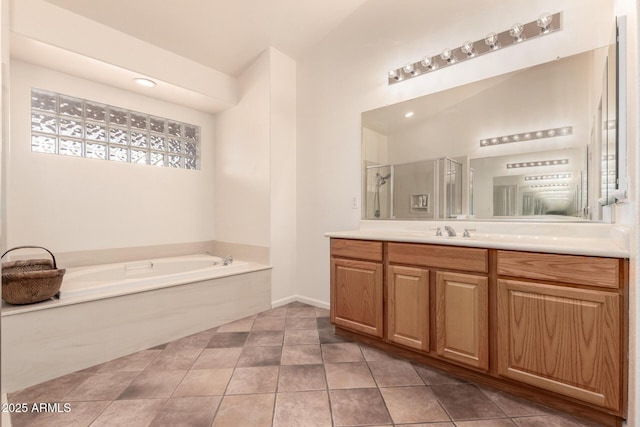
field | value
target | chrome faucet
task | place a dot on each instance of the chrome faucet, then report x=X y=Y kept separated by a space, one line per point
x=450 y=231
x=228 y=260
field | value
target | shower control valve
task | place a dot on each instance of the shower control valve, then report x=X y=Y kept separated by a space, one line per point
x=466 y=232
x=438 y=231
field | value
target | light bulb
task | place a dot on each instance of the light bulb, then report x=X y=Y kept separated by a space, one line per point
x=427 y=63
x=564 y=131
x=393 y=74
x=551 y=132
x=491 y=40
x=539 y=134
x=409 y=69
x=505 y=139
x=483 y=142
x=447 y=55
x=516 y=138
x=527 y=135
x=467 y=47
x=544 y=21
x=516 y=31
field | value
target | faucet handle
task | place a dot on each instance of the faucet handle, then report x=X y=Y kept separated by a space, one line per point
x=438 y=230
x=466 y=232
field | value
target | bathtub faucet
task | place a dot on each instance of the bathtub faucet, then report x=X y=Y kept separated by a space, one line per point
x=228 y=260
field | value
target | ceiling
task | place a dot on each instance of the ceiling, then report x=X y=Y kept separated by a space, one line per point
x=221 y=34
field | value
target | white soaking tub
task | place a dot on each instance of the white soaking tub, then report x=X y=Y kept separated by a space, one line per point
x=122 y=278
x=111 y=310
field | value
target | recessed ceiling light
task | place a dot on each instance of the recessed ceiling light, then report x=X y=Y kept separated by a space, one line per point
x=409 y=114
x=144 y=82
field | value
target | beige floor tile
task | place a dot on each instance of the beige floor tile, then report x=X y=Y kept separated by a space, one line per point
x=153 y=385
x=172 y=359
x=349 y=375
x=341 y=352
x=301 y=355
x=130 y=413
x=309 y=409
x=102 y=386
x=217 y=358
x=301 y=378
x=392 y=373
x=260 y=379
x=362 y=406
x=413 y=405
x=301 y=336
x=260 y=356
x=187 y=411
x=255 y=410
x=204 y=382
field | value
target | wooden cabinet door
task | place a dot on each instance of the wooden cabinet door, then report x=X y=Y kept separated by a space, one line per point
x=408 y=306
x=462 y=319
x=356 y=295
x=562 y=339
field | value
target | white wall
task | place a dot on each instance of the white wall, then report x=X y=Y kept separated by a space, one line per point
x=242 y=156
x=255 y=176
x=72 y=204
x=283 y=176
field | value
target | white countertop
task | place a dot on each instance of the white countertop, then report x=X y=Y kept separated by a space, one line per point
x=604 y=240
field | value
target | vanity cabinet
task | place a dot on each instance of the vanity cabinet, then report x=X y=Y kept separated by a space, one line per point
x=551 y=327
x=408 y=306
x=462 y=318
x=461 y=306
x=559 y=327
x=357 y=286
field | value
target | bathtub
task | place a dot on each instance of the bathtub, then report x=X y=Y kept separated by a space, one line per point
x=111 y=310
x=138 y=276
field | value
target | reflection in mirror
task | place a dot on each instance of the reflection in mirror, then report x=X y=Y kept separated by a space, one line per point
x=538 y=143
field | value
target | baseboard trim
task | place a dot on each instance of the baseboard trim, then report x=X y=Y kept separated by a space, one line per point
x=300 y=298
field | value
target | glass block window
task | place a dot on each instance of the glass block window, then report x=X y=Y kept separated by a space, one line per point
x=68 y=126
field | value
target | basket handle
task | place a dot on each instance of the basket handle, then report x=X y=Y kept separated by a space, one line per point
x=32 y=247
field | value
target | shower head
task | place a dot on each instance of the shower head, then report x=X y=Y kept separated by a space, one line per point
x=382 y=179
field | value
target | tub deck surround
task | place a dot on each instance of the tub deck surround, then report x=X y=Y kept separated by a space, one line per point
x=604 y=240
x=92 y=283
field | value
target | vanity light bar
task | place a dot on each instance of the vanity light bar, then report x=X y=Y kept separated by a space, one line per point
x=527 y=136
x=538 y=163
x=549 y=185
x=552 y=176
x=545 y=24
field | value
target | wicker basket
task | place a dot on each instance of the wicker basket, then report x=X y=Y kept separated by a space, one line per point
x=30 y=281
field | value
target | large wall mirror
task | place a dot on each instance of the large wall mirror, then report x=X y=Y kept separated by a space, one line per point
x=536 y=144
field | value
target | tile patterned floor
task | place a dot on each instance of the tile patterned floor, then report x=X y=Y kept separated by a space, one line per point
x=283 y=367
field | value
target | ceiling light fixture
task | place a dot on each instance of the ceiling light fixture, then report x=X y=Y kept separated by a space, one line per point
x=141 y=81
x=517 y=33
x=527 y=136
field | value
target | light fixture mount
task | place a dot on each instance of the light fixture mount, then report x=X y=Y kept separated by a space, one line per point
x=546 y=24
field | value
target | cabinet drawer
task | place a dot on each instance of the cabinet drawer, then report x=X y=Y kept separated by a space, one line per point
x=360 y=249
x=580 y=270
x=449 y=257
